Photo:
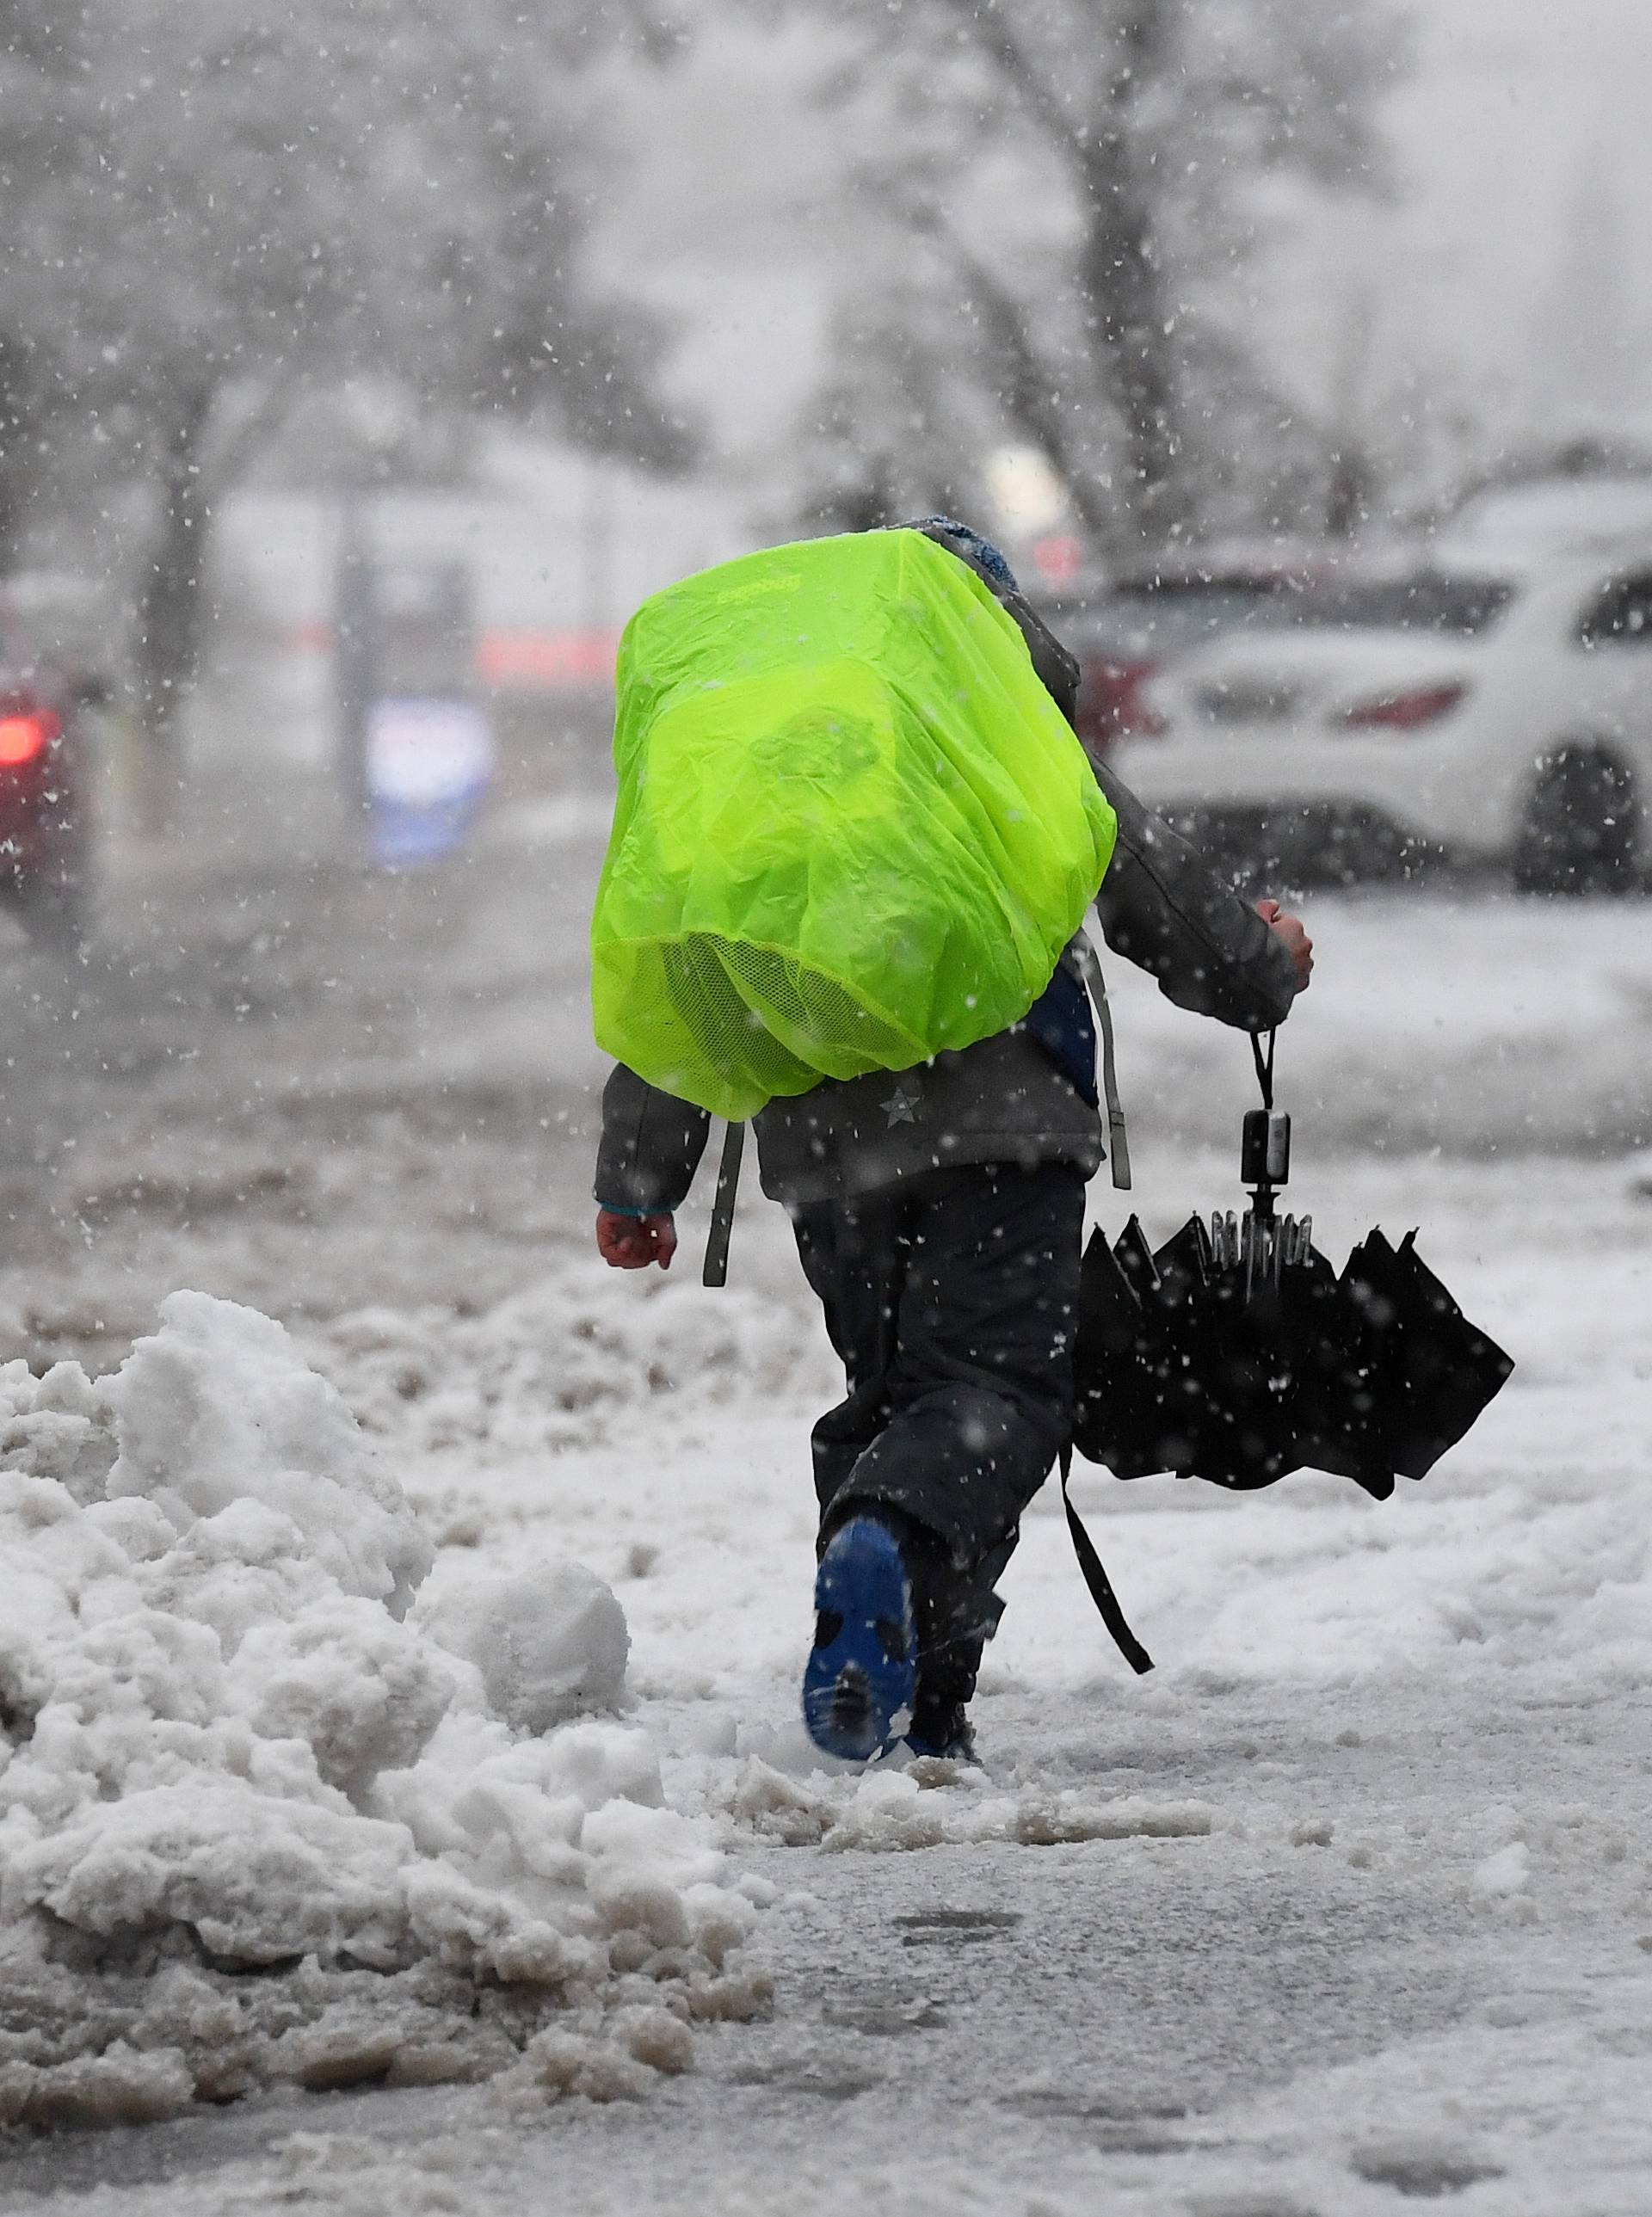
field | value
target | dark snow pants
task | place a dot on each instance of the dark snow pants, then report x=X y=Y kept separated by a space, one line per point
x=952 y=1299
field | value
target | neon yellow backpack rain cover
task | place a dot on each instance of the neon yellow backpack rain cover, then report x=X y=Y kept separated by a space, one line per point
x=853 y=830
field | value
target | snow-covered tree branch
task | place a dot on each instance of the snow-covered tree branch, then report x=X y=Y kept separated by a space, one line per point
x=1087 y=178
x=212 y=208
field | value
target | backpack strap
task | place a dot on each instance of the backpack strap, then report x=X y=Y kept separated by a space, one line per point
x=1118 y=1139
x=715 y=1272
x=1100 y=1585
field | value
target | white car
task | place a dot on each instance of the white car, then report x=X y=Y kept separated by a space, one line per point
x=1494 y=708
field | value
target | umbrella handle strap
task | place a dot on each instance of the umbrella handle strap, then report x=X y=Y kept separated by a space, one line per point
x=1264 y=1065
x=1100 y=1585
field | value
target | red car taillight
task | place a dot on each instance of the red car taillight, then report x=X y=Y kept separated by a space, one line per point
x=1404 y=711
x=22 y=737
x=1109 y=703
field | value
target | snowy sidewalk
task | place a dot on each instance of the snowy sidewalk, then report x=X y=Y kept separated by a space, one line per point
x=1347 y=1903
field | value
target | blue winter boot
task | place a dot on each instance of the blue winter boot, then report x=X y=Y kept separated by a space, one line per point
x=941 y=1728
x=862 y=1670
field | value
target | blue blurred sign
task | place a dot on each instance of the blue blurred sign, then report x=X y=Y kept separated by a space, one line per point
x=429 y=764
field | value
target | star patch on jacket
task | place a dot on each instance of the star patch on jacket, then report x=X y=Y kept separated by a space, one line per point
x=901 y=1106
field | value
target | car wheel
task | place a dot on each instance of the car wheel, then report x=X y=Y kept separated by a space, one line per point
x=1580 y=832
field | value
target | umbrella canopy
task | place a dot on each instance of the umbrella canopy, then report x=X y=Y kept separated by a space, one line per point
x=1399 y=1375
x=1237 y=1353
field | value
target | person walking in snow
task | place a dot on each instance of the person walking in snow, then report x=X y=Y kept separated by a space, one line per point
x=939 y=1213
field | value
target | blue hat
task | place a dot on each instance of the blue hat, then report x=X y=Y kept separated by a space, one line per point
x=982 y=549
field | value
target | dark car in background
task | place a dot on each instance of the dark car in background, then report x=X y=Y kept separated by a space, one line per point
x=44 y=843
x=1126 y=630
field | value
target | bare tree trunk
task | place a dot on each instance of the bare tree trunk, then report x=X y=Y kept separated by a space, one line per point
x=1124 y=287
x=1351 y=493
x=168 y=645
x=1351 y=489
x=1031 y=391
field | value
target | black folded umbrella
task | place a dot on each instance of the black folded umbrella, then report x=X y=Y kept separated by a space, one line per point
x=1236 y=1353
x=1401 y=1374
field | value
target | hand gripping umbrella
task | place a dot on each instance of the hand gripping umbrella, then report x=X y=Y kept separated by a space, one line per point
x=1236 y=1353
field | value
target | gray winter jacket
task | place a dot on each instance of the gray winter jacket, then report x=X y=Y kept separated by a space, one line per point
x=1002 y=1100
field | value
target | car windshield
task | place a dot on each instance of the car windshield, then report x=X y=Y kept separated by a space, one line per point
x=1156 y=617
x=1458 y=605
x=1152 y=619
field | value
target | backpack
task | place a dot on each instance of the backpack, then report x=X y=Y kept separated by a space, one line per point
x=852 y=831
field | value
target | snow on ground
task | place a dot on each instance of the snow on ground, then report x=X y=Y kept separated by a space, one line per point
x=1350 y=1899
x=256 y=1826
x=1348 y=1903
x=1483 y=1025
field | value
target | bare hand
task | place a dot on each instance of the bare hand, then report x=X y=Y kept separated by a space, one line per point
x=631 y=1243
x=1297 y=942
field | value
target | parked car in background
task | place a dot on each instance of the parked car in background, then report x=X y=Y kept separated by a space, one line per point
x=1126 y=630
x=44 y=816
x=1547 y=516
x=1499 y=711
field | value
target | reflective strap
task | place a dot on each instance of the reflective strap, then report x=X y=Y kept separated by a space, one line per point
x=1118 y=1139
x=715 y=1272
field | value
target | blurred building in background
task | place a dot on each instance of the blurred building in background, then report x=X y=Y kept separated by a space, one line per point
x=556 y=548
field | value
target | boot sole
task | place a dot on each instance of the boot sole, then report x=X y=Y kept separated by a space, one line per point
x=861 y=1677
